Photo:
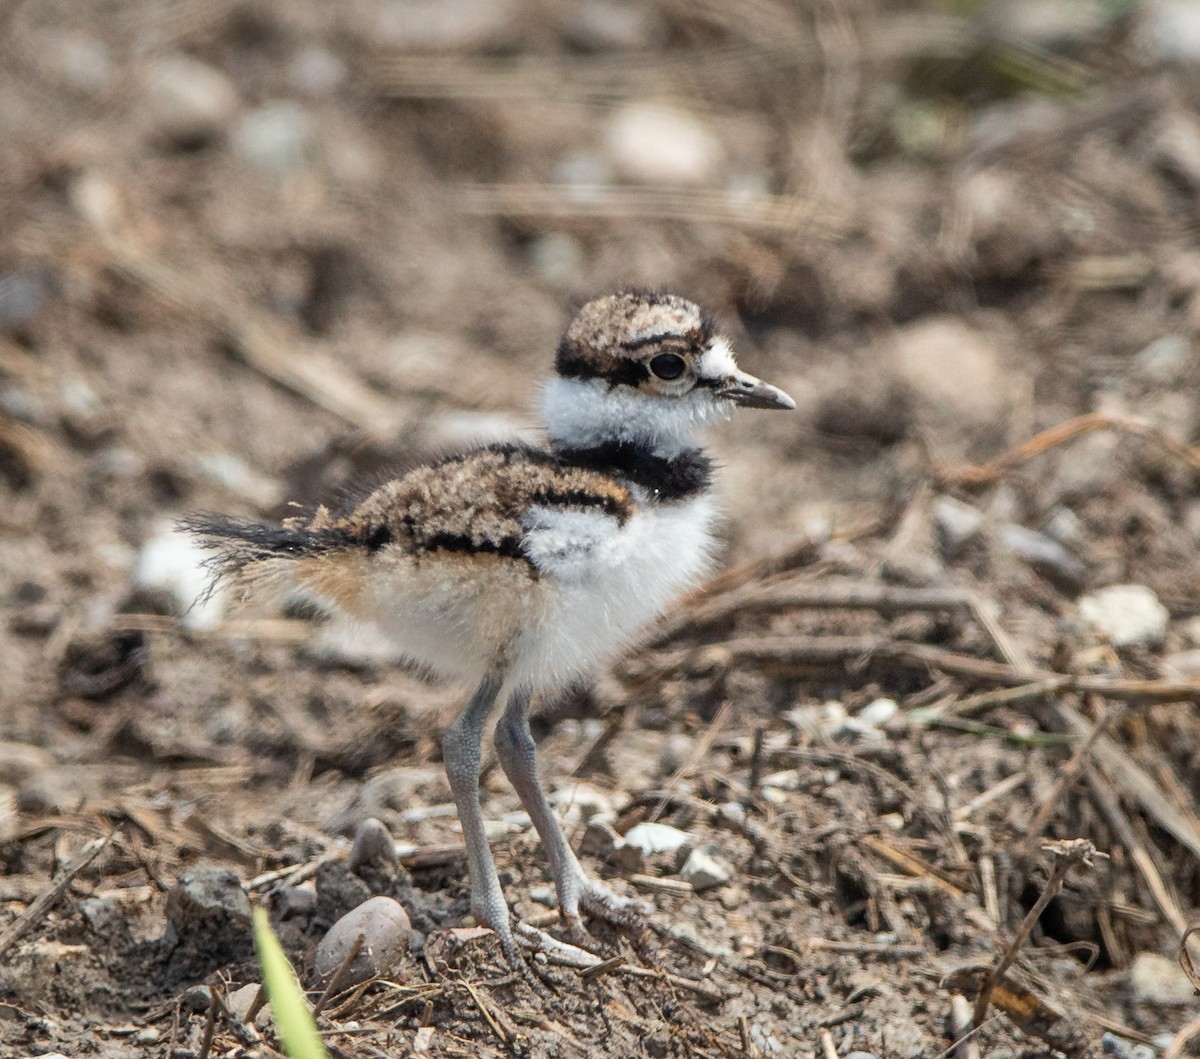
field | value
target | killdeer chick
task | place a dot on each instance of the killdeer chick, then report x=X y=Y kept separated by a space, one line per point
x=521 y=569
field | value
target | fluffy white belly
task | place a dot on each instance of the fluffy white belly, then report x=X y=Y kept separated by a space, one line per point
x=607 y=581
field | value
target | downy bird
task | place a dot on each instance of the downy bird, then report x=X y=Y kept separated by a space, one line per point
x=521 y=569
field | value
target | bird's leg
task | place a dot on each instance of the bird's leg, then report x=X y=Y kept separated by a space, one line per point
x=576 y=892
x=462 y=755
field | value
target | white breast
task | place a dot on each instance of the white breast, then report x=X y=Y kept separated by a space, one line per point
x=607 y=581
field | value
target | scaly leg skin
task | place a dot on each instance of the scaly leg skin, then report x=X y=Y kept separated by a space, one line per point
x=577 y=894
x=462 y=755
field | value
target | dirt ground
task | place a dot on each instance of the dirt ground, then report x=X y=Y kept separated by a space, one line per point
x=254 y=251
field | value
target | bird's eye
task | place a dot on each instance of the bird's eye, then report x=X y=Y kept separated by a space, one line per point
x=668 y=366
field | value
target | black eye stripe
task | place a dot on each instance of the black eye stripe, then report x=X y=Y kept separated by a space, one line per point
x=668 y=366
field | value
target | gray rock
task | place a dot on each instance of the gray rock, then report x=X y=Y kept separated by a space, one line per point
x=558 y=259
x=1171 y=30
x=186 y=101
x=447 y=25
x=613 y=25
x=1126 y=615
x=22 y=294
x=1157 y=979
x=373 y=856
x=387 y=936
x=209 y=926
x=316 y=72
x=278 y=138
x=1045 y=555
x=1166 y=361
x=704 y=871
x=82 y=62
x=956 y=523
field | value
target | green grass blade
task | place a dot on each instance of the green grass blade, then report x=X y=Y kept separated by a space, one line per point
x=289 y=1009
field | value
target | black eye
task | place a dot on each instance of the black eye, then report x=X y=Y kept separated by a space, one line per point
x=668 y=366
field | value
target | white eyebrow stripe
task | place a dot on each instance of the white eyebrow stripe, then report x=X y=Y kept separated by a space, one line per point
x=718 y=362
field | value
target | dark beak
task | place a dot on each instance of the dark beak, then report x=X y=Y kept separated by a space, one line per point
x=744 y=389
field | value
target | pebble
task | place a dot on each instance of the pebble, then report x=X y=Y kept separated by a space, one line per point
x=1185 y=665
x=1167 y=361
x=1171 y=30
x=446 y=25
x=1044 y=554
x=651 y=838
x=1119 y=1048
x=19 y=761
x=1157 y=979
x=316 y=72
x=277 y=138
x=558 y=260
x=676 y=751
x=81 y=61
x=951 y=368
x=613 y=25
x=172 y=562
x=878 y=713
x=582 y=802
x=655 y=144
x=957 y=525
x=186 y=101
x=22 y=294
x=373 y=845
x=704 y=871
x=387 y=937
x=208 y=916
x=1126 y=615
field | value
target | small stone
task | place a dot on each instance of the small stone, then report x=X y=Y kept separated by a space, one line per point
x=558 y=259
x=1167 y=361
x=446 y=25
x=373 y=847
x=878 y=713
x=19 y=761
x=651 y=838
x=1157 y=979
x=676 y=752
x=655 y=144
x=1044 y=554
x=185 y=101
x=1171 y=30
x=241 y=1000
x=704 y=871
x=957 y=524
x=317 y=72
x=81 y=61
x=22 y=294
x=208 y=916
x=1183 y=665
x=581 y=802
x=1126 y=615
x=197 y=999
x=387 y=936
x=951 y=367
x=277 y=138
x=860 y=1055
x=613 y=25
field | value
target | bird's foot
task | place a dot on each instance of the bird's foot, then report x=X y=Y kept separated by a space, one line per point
x=599 y=902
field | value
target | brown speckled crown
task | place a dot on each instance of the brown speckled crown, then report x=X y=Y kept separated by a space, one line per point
x=610 y=337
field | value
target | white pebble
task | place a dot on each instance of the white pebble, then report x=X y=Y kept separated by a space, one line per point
x=1126 y=615
x=656 y=144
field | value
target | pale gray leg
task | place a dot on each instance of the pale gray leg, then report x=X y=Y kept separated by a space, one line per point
x=462 y=755
x=576 y=892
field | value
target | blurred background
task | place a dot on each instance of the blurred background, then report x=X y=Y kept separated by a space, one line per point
x=253 y=250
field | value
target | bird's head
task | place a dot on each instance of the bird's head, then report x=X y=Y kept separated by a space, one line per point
x=646 y=367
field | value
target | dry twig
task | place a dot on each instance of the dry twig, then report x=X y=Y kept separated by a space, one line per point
x=1068 y=854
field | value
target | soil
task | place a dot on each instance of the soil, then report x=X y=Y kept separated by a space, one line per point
x=253 y=253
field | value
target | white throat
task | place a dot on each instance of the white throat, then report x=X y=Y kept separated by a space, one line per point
x=585 y=413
